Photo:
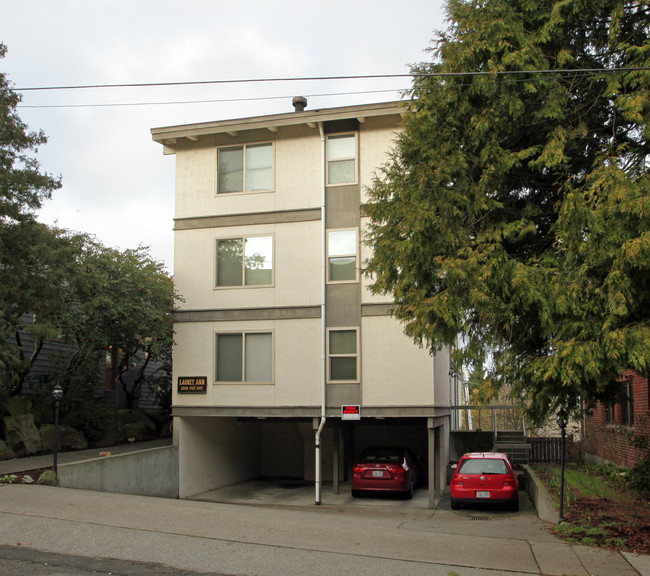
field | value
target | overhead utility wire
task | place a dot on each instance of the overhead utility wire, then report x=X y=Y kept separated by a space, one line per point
x=225 y=100
x=330 y=78
x=214 y=101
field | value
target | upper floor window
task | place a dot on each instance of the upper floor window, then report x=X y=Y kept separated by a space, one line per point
x=341 y=159
x=343 y=355
x=244 y=357
x=342 y=255
x=246 y=168
x=245 y=261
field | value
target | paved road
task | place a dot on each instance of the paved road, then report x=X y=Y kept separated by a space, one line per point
x=134 y=533
x=21 y=561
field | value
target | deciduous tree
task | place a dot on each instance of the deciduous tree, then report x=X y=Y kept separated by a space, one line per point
x=127 y=299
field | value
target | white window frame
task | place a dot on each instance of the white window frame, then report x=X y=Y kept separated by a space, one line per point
x=243 y=148
x=243 y=334
x=243 y=284
x=355 y=158
x=356 y=355
x=344 y=255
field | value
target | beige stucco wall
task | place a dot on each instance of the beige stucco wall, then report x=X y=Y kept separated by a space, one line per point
x=296 y=262
x=367 y=297
x=389 y=360
x=216 y=452
x=296 y=150
x=395 y=371
x=376 y=140
x=297 y=365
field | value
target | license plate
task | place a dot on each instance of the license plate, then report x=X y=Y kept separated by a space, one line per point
x=483 y=494
x=377 y=473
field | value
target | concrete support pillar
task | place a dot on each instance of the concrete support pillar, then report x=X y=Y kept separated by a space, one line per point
x=431 y=473
x=437 y=430
x=336 y=448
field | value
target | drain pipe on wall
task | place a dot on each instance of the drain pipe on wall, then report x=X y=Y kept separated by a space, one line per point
x=323 y=418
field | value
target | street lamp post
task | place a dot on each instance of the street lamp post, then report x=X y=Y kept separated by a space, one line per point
x=562 y=421
x=57 y=393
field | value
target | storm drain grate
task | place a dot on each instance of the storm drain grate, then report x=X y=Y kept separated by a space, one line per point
x=480 y=518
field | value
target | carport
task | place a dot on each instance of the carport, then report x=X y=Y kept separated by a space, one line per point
x=425 y=436
x=219 y=451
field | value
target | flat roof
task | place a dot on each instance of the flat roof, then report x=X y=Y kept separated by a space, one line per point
x=167 y=136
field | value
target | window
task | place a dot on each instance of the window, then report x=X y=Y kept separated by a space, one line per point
x=343 y=356
x=341 y=159
x=610 y=413
x=342 y=255
x=244 y=357
x=245 y=261
x=247 y=168
x=483 y=466
x=627 y=401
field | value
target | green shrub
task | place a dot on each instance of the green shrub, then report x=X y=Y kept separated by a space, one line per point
x=92 y=418
x=639 y=477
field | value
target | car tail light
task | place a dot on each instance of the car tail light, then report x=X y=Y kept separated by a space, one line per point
x=457 y=480
x=396 y=470
x=359 y=469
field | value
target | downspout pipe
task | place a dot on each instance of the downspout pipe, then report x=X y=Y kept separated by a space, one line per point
x=323 y=418
x=318 y=466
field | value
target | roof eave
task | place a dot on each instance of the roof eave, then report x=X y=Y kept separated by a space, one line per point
x=168 y=136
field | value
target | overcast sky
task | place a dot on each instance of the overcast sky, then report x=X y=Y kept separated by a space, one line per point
x=117 y=184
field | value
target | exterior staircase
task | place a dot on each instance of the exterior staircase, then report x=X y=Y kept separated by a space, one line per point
x=513 y=443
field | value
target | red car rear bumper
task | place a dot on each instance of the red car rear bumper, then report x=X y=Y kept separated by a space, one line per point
x=381 y=484
x=470 y=495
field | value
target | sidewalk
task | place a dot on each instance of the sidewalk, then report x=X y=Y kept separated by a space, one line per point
x=266 y=541
x=268 y=528
x=27 y=463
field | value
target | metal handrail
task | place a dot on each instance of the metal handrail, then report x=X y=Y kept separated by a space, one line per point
x=497 y=412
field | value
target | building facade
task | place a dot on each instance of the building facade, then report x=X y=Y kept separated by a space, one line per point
x=285 y=364
x=608 y=430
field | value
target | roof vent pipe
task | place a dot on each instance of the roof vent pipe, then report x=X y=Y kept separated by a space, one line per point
x=299 y=103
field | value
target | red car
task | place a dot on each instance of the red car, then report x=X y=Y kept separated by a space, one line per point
x=385 y=469
x=482 y=477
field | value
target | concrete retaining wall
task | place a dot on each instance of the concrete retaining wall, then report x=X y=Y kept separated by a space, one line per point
x=546 y=509
x=152 y=472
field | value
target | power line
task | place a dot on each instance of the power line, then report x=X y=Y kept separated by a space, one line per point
x=213 y=101
x=208 y=82
x=333 y=78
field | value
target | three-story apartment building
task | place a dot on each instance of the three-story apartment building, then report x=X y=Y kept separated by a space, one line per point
x=285 y=364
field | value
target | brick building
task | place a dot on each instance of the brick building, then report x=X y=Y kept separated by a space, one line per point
x=608 y=429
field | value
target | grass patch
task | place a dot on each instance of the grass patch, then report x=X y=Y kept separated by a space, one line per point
x=588 y=481
x=599 y=507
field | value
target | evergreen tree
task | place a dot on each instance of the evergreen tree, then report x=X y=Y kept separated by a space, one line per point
x=513 y=216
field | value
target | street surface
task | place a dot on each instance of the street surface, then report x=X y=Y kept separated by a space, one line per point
x=58 y=531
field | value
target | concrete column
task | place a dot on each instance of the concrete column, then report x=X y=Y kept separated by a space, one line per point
x=336 y=447
x=432 y=475
x=437 y=432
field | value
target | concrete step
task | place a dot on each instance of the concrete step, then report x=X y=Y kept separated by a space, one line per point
x=518 y=452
